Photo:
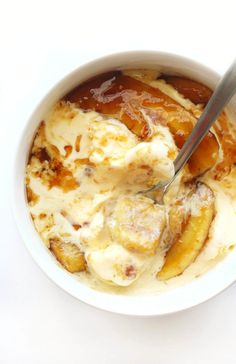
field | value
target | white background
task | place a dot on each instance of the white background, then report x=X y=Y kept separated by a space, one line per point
x=39 y=43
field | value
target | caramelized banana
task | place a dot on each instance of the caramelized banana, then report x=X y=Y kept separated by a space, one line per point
x=225 y=133
x=199 y=93
x=200 y=161
x=138 y=105
x=188 y=245
x=68 y=254
x=192 y=90
x=179 y=212
x=178 y=216
x=205 y=157
x=137 y=224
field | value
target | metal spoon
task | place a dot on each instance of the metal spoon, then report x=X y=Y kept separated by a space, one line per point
x=221 y=96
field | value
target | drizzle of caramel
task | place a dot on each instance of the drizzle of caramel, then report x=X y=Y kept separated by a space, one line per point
x=42 y=155
x=131 y=101
x=42 y=216
x=83 y=161
x=76 y=226
x=62 y=177
x=77 y=143
x=68 y=150
x=31 y=196
x=130 y=271
x=54 y=151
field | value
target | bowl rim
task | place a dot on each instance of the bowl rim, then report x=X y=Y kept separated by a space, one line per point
x=178 y=299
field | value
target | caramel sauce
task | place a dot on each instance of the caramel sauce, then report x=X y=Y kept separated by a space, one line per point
x=68 y=150
x=76 y=226
x=42 y=216
x=53 y=173
x=130 y=271
x=83 y=161
x=62 y=177
x=77 y=143
x=54 y=152
x=31 y=196
x=42 y=155
x=131 y=101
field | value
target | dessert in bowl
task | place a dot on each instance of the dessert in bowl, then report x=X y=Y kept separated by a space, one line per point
x=100 y=140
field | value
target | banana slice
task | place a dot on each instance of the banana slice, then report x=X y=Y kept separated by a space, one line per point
x=188 y=245
x=179 y=211
x=116 y=265
x=68 y=254
x=177 y=218
x=137 y=223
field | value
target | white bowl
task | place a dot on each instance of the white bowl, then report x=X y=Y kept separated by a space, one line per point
x=200 y=289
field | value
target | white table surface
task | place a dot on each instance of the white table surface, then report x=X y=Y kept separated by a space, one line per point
x=40 y=42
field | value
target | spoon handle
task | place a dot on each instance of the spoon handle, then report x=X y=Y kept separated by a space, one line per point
x=221 y=96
